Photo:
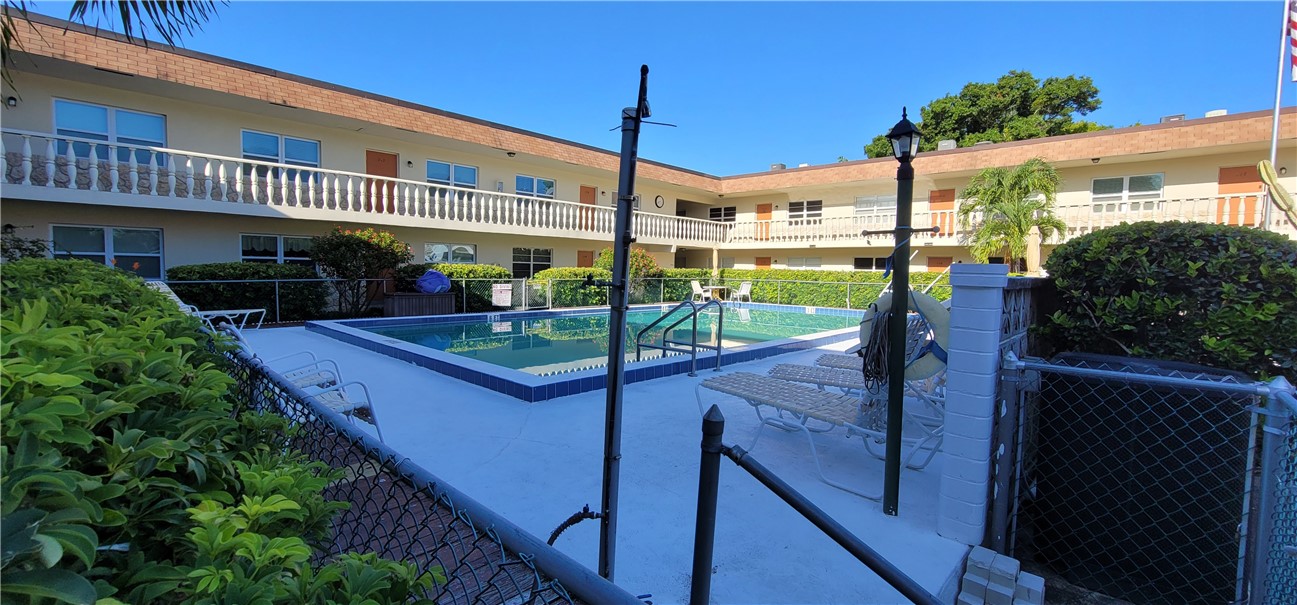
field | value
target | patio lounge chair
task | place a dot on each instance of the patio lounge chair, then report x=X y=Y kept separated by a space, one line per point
x=807 y=409
x=744 y=291
x=239 y=317
x=699 y=294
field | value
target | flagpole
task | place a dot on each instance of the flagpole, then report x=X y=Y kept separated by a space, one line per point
x=1278 y=99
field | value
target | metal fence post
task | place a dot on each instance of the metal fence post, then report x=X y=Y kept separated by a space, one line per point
x=464 y=290
x=662 y=290
x=848 y=295
x=1275 y=435
x=276 y=301
x=709 y=475
x=779 y=292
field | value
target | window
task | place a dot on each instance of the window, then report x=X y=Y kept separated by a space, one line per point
x=874 y=204
x=455 y=175
x=1126 y=193
x=111 y=125
x=866 y=263
x=279 y=149
x=136 y=250
x=450 y=253
x=727 y=262
x=534 y=186
x=530 y=261
x=809 y=262
x=283 y=249
x=634 y=203
x=805 y=210
x=725 y=214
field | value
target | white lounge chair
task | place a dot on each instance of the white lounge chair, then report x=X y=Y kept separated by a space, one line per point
x=744 y=291
x=809 y=410
x=239 y=317
x=699 y=294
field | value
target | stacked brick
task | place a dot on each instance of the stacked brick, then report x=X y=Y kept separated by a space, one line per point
x=994 y=579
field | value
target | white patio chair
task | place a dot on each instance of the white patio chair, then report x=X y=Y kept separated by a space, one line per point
x=699 y=294
x=240 y=317
x=744 y=291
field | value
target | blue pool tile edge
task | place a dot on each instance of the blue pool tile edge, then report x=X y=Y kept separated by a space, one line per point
x=532 y=388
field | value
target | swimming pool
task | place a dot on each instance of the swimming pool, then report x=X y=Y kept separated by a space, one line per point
x=539 y=355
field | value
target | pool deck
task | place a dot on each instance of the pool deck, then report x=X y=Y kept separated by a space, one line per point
x=537 y=463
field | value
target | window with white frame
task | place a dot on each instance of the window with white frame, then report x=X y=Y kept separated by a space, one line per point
x=1126 y=193
x=534 y=186
x=111 y=125
x=634 y=203
x=803 y=210
x=454 y=175
x=530 y=261
x=803 y=262
x=870 y=263
x=727 y=262
x=450 y=253
x=282 y=249
x=875 y=204
x=724 y=214
x=138 y=251
x=280 y=149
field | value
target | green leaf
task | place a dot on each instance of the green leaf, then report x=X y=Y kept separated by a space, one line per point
x=59 y=584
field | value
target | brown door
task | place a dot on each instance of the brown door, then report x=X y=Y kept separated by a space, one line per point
x=585 y=258
x=938 y=264
x=379 y=194
x=1240 y=189
x=589 y=196
x=763 y=262
x=763 y=224
x=941 y=203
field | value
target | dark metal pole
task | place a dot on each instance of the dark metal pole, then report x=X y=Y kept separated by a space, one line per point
x=709 y=476
x=896 y=336
x=617 y=297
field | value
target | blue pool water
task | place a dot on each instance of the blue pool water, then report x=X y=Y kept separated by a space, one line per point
x=538 y=355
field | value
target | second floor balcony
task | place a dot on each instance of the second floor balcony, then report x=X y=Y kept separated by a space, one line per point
x=45 y=167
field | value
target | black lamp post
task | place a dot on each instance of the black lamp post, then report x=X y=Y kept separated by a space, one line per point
x=905 y=145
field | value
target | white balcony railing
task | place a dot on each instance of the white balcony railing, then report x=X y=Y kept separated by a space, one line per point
x=1238 y=209
x=48 y=161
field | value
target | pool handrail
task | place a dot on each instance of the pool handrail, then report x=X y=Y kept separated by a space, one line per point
x=694 y=310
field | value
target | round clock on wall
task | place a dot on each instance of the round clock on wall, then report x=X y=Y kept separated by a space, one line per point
x=659 y=202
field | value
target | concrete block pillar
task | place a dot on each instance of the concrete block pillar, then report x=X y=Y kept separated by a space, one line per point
x=972 y=379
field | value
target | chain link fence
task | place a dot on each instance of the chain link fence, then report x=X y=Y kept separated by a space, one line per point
x=401 y=512
x=1280 y=576
x=1147 y=481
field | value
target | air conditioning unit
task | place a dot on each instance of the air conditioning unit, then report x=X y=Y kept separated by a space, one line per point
x=1215 y=113
x=803 y=165
x=1179 y=117
x=778 y=166
x=980 y=143
x=945 y=144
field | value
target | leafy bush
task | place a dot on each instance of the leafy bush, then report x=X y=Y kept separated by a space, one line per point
x=1215 y=295
x=297 y=301
x=123 y=471
x=14 y=247
x=354 y=255
x=566 y=289
x=826 y=288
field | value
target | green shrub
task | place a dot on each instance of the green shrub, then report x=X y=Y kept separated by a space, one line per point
x=819 y=288
x=353 y=255
x=297 y=301
x=117 y=430
x=1215 y=295
x=566 y=289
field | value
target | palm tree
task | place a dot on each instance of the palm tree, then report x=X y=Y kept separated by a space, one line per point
x=170 y=20
x=1001 y=205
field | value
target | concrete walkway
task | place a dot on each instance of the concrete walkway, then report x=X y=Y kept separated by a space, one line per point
x=538 y=463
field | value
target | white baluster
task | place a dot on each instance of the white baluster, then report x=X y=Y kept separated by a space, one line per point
x=27 y=161
x=239 y=169
x=189 y=177
x=49 y=162
x=270 y=185
x=152 y=168
x=114 y=170
x=310 y=190
x=207 y=180
x=94 y=167
x=132 y=172
x=71 y=158
x=283 y=188
x=352 y=202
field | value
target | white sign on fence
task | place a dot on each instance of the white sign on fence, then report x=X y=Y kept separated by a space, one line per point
x=502 y=295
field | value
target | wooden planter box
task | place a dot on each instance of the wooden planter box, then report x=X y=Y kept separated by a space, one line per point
x=402 y=304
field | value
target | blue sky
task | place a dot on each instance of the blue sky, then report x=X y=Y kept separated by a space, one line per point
x=761 y=82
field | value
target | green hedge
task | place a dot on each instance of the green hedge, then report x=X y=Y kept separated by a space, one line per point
x=1215 y=295
x=566 y=289
x=117 y=428
x=297 y=301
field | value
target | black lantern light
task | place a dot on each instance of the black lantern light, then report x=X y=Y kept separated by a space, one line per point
x=905 y=139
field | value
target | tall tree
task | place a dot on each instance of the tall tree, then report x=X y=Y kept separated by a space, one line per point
x=1001 y=205
x=1013 y=108
x=170 y=20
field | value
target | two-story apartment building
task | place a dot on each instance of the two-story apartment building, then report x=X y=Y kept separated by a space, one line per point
x=149 y=157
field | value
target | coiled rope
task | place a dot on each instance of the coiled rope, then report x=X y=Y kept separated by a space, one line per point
x=875 y=350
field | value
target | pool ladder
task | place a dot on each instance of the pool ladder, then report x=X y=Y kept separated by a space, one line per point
x=679 y=346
